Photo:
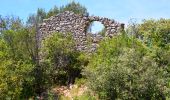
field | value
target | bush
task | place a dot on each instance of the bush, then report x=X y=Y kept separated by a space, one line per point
x=85 y=96
x=62 y=62
x=122 y=68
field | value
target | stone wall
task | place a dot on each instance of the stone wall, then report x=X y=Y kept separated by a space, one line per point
x=77 y=25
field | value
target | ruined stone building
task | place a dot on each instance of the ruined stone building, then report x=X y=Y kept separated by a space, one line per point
x=68 y=22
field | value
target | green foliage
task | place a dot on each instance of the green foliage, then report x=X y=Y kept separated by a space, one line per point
x=85 y=96
x=34 y=19
x=62 y=62
x=10 y=22
x=53 y=11
x=75 y=7
x=122 y=68
x=16 y=53
x=13 y=77
x=155 y=32
x=41 y=14
x=135 y=67
x=80 y=81
x=103 y=31
x=21 y=75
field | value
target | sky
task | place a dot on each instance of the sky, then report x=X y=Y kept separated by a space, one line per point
x=120 y=10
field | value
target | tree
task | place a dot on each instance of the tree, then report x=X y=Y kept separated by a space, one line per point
x=21 y=74
x=155 y=35
x=17 y=61
x=10 y=22
x=74 y=7
x=32 y=25
x=37 y=18
x=54 y=11
x=62 y=61
x=156 y=32
x=133 y=29
x=122 y=68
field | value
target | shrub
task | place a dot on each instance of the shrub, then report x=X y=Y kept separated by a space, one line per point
x=62 y=62
x=122 y=68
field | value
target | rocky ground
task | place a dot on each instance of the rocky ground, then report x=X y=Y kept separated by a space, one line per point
x=70 y=92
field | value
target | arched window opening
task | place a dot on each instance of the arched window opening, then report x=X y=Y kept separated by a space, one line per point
x=96 y=28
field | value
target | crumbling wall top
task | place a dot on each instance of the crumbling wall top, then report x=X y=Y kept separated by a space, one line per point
x=77 y=25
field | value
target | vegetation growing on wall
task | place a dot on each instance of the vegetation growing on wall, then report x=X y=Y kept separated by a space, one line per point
x=133 y=65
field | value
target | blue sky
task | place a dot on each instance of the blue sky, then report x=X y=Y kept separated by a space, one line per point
x=120 y=10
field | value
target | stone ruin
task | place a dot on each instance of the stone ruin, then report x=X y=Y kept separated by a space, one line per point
x=69 y=22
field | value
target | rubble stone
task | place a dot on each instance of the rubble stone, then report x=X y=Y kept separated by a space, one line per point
x=67 y=22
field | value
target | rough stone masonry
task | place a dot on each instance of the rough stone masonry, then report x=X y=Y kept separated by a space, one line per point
x=69 y=22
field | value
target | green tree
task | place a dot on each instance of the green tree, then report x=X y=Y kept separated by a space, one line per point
x=74 y=7
x=62 y=61
x=155 y=32
x=17 y=61
x=123 y=68
x=155 y=35
x=37 y=18
x=32 y=25
x=54 y=11
x=21 y=74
